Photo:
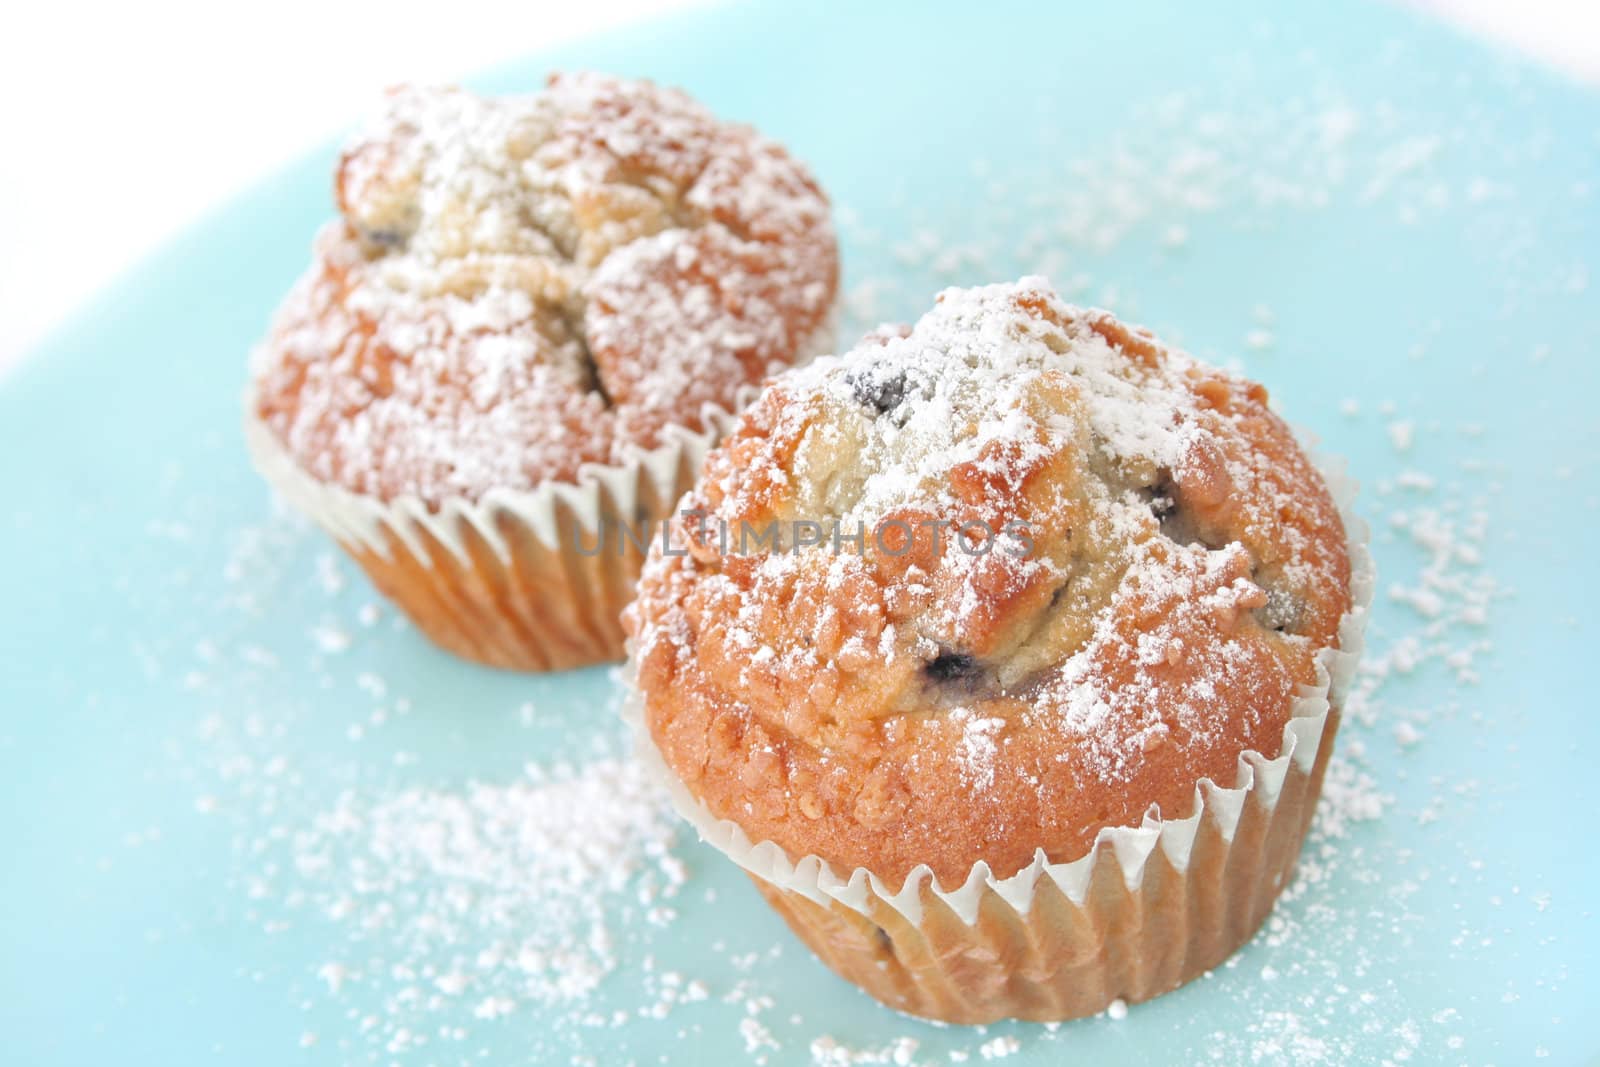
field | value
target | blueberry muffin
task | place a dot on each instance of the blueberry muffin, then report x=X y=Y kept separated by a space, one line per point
x=1002 y=653
x=530 y=320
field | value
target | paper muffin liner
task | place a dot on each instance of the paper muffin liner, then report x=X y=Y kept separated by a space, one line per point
x=504 y=579
x=1146 y=909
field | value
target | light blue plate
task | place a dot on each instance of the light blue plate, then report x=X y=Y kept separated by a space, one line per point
x=1354 y=204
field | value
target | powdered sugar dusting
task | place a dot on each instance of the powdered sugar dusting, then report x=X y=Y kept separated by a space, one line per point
x=520 y=286
x=503 y=891
x=1408 y=934
x=941 y=420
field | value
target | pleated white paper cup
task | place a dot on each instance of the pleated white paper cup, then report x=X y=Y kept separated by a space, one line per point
x=514 y=579
x=1146 y=909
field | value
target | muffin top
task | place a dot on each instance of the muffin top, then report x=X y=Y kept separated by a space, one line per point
x=1064 y=573
x=517 y=287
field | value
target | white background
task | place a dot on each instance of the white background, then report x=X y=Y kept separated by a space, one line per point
x=124 y=121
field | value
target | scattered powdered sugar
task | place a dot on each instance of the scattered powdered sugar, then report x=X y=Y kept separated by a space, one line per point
x=503 y=892
x=428 y=895
x=999 y=1048
x=827 y=1052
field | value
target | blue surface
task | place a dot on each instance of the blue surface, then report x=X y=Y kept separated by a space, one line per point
x=1447 y=268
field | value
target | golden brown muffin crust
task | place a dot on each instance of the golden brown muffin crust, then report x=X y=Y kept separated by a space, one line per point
x=919 y=703
x=517 y=287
